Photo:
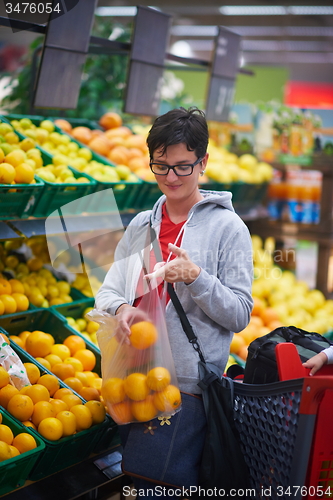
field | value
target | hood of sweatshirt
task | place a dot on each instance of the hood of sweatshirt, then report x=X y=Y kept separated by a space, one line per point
x=211 y=200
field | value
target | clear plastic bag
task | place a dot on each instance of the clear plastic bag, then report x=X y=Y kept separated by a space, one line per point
x=139 y=379
x=13 y=365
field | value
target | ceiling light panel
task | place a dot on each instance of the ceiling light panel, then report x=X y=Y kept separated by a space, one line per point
x=275 y=10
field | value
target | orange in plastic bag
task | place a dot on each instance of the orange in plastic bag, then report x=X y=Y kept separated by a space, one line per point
x=139 y=376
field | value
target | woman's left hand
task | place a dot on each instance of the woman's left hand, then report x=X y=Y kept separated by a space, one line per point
x=180 y=269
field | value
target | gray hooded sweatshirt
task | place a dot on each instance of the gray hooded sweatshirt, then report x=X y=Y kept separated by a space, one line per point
x=217 y=303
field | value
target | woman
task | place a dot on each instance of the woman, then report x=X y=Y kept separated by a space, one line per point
x=206 y=250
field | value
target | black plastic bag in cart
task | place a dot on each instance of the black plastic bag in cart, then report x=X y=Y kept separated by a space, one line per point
x=223 y=465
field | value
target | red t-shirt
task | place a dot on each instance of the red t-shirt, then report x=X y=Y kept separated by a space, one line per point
x=168 y=234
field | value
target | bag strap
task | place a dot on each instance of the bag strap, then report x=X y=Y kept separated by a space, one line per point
x=187 y=327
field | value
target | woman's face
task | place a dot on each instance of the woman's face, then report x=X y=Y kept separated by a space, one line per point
x=177 y=187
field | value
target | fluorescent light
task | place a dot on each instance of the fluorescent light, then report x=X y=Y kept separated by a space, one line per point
x=311 y=10
x=275 y=10
x=116 y=11
x=181 y=49
x=252 y=10
x=284 y=45
x=189 y=30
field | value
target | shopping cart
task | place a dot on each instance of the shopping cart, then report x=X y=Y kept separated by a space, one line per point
x=286 y=431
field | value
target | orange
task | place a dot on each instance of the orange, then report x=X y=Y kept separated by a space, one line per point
x=268 y=315
x=143 y=335
x=7 y=392
x=136 y=387
x=33 y=372
x=14 y=452
x=83 y=377
x=167 y=400
x=74 y=383
x=119 y=155
x=4 y=377
x=82 y=134
x=248 y=333
x=28 y=423
x=0 y=418
x=158 y=378
x=136 y=141
x=110 y=119
x=7 y=173
x=256 y=321
x=38 y=392
x=90 y=377
x=97 y=384
x=15 y=157
x=144 y=410
x=52 y=359
x=6 y=434
x=99 y=145
x=60 y=350
x=5 y=451
x=63 y=370
x=113 y=390
x=16 y=286
x=22 y=301
x=17 y=340
x=83 y=417
x=61 y=392
x=9 y=303
x=44 y=362
x=4 y=337
x=121 y=412
x=58 y=405
x=12 y=262
x=42 y=409
x=2 y=309
x=68 y=420
x=51 y=338
x=87 y=358
x=21 y=407
x=63 y=124
x=24 y=442
x=97 y=411
x=76 y=363
x=258 y=306
x=5 y=287
x=71 y=400
x=50 y=382
x=237 y=342
x=34 y=263
x=38 y=344
x=24 y=174
x=243 y=352
x=74 y=343
x=89 y=393
x=24 y=389
x=24 y=335
x=51 y=428
x=274 y=324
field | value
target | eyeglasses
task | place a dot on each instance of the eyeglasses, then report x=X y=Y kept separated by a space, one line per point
x=179 y=170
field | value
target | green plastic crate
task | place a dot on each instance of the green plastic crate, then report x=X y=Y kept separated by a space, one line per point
x=15 y=471
x=56 y=195
x=125 y=192
x=71 y=449
x=149 y=194
x=47 y=321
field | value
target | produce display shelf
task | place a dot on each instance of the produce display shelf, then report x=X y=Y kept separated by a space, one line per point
x=125 y=192
x=15 y=471
x=67 y=450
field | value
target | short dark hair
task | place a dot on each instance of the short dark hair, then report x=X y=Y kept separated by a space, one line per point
x=179 y=126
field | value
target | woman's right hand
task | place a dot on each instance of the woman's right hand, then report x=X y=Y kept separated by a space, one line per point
x=126 y=316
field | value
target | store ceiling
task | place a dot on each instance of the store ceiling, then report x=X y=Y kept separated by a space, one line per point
x=294 y=35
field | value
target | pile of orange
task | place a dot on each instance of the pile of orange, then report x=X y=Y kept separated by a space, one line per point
x=52 y=410
x=11 y=446
x=13 y=297
x=117 y=143
x=70 y=361
x=140 y=397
